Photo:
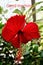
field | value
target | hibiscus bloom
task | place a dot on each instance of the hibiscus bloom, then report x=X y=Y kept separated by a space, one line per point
x=16 y=32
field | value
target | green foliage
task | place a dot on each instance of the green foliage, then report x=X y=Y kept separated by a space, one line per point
x=7 y=53
x=2 y=12
x=17 y=11
x=41 y=8
x=20 y=12
x=1 y=25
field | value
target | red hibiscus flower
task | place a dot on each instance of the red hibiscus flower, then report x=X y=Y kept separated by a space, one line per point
x=16 y=32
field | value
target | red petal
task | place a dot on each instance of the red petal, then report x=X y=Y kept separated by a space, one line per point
x=16 y=23
x=15 y=41
x=35 y=35
x=7 y=34
x=32 y=27
x=13 y=25
x=31 y=31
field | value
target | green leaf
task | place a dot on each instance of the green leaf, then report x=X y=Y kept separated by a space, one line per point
x=1 y=63
x=41 y=8
x=40 y=26
x=1 y=25
x=1 y=10
x=0 y=31
x=41 y=54
x=17 y=11
x=35 y=48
